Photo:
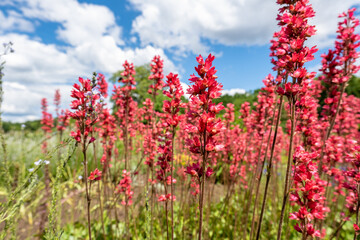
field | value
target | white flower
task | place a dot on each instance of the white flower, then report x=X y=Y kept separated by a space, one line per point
x=23 y=126
x=102 y=99
x=88 y=94
x=80 y=177
x=46 y=162
x=38 y=162
x=31 y=169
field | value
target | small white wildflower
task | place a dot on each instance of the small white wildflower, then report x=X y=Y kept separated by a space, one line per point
x=38 y=162
x=80 y=177
x=102 y=99
x=23 y=126
x=46 y=162
x=31 y=169
x=88 y=94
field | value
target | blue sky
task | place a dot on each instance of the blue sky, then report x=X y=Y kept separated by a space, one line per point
x=57 y=41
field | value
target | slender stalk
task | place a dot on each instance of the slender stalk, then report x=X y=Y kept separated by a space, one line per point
x=330 y=128
x=153 y=134
x=202 y=185
x=172 y=186
x=248 y=199
x=201 y=198
x=337 y=230
x=99 y=188
x=259 y=167
x=87 y=188
x=101 y=212
x=166 y=213
x=259 y=182
x=357 y=209
x=288 y=168
x=126 y=148
x=269 y=167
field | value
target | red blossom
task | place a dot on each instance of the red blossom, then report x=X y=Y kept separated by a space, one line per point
x=95 y=175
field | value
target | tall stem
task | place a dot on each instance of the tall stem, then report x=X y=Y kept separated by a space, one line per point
x=202 y=185
x=99 y=188
x=357 y=209
x=87 y=188
x=259 y=167
x=269 y=167
x=126 y=148
x=172 y=186
x=153 y=136
x=332 y=123
x=202 y=197
x=288 y=168
x=166 y=212
x=101 y=211
x=259 y=180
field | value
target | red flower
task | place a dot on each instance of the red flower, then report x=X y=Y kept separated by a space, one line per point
x=95 y=175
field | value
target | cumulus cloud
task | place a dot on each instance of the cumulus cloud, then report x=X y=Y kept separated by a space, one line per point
x=14 y=21
x=233 y=91
x=326 y=20
x=182 y=25
x=36 y=69
x=187 y=26
x=93 y=41
x=80 y=22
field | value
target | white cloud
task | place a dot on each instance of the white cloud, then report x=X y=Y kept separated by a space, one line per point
x=36 y=69
x=182 y=26
x=14 y=21
x=94 y=40
x=185 y=87
x=81 y=22
x=233 y=91
x=326 y=20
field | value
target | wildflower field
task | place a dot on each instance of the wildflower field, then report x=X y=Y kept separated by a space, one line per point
x=175 y=163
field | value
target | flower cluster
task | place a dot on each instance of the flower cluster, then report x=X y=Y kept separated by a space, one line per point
x=95 y=175
x=125 y=105
x=63 y=120
x=149 y=144
x=84 y=105
x=352 y=183
x=202 y=124
x=288 y=46
x=57 y=101
x=156 y=75
x=102 y=85
x=308 y=193
x=169 y=123
x=107 y=131
x=125 y=187
x=339 y=65
x=47 y=119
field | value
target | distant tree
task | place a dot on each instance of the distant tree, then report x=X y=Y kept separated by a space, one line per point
x=28 y=125
x=353 y=87
x=142 y=86
x=239 y=98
